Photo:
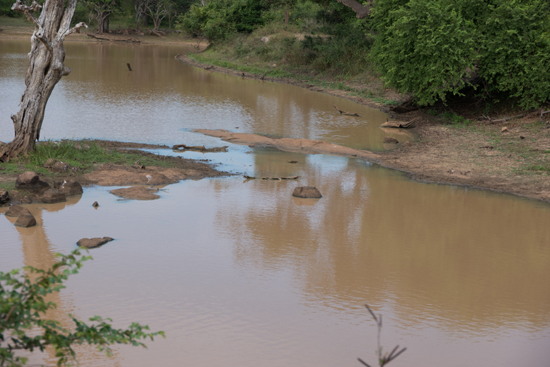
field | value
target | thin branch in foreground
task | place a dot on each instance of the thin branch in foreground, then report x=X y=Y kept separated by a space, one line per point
x=388 y=357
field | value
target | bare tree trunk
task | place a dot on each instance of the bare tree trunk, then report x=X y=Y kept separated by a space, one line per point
x=287 y=15
x=106 y=24
x=45 y=70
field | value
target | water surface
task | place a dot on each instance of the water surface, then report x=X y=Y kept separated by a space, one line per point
x=240 y=273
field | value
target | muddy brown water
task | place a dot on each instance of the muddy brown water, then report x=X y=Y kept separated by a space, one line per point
x=239 y=273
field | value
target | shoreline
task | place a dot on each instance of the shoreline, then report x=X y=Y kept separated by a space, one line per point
x=462 y=155
x=476 y=155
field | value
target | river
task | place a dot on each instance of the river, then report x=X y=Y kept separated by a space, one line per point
x=240 y=273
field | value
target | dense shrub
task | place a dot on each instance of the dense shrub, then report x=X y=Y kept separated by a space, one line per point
x=430 y=48
x=220 y=18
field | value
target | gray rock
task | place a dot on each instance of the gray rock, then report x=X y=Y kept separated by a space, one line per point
x=25 y=220
x=70 y=188
x=53 y=196
x=31 y=182
x=16 y=211
x=93 y=242
x=307 y=192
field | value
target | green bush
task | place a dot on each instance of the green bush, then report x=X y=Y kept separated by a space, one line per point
x=432 y=48
x=23 y=307
x=221 y=18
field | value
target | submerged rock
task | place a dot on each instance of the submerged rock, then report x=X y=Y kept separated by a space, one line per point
x=25 y=220
x=53 y=196
x=16 y=211
x=307 y=192
x=30 y=181
x=93 y=242
x=136 y=193
x=388 y=140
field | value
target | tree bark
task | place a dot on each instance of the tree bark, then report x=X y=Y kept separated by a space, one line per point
x=45 y=70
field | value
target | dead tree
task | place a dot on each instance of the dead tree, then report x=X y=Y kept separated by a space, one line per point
x=45 y=70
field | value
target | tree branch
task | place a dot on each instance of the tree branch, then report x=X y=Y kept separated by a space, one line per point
x=25 y=9
x=362 y=11
x=75 y=29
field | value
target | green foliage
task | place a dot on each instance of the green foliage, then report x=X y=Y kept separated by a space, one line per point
x=516 y=50
x=429 y=50
x=432 y=48
x=23 y=307
x=221 y=18
x=5 y=8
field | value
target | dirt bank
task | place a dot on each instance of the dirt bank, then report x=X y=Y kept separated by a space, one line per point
x=158 y=170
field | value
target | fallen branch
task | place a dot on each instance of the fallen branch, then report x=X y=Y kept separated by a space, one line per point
x=345 y=113
x=509 y=117
x=400 y=124
x=129 y=40
x=202 y=148
x=97 y=38
x=271 y=178
x=543 y=113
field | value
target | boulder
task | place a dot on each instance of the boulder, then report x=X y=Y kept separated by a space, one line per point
x=95 y=204
x=16 y=211
x=4 y=196
x=93 y=242
x=388 y=140
x=307 y=192
x=31 y=182
x=53 y=196
x=70 y=188
x=25 y=220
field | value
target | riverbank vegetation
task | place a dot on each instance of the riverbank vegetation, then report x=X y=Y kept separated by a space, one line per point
x=490 y=52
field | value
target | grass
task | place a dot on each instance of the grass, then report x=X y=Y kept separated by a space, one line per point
x=218 y=59
x=83 y=155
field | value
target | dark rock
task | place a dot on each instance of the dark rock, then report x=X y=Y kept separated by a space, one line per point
x=31 y=182
x=4 y=196
x=53 y=196
x=25 y=220
x=95 y=204
x=307 y=192
x=388 y=140
x=71 y=187
x=16 y=211
x=93 y=242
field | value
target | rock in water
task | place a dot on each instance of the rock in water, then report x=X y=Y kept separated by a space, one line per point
x=388 y=140
x=93 y=242
x=307 y=192
x=31 y=182
x=53 y=196
x=71 y=187
x=25 y=220
x=95 y=204
x=16 y=211
x=136 y=193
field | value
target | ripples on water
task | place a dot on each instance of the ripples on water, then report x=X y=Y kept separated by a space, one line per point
x=239 y=273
